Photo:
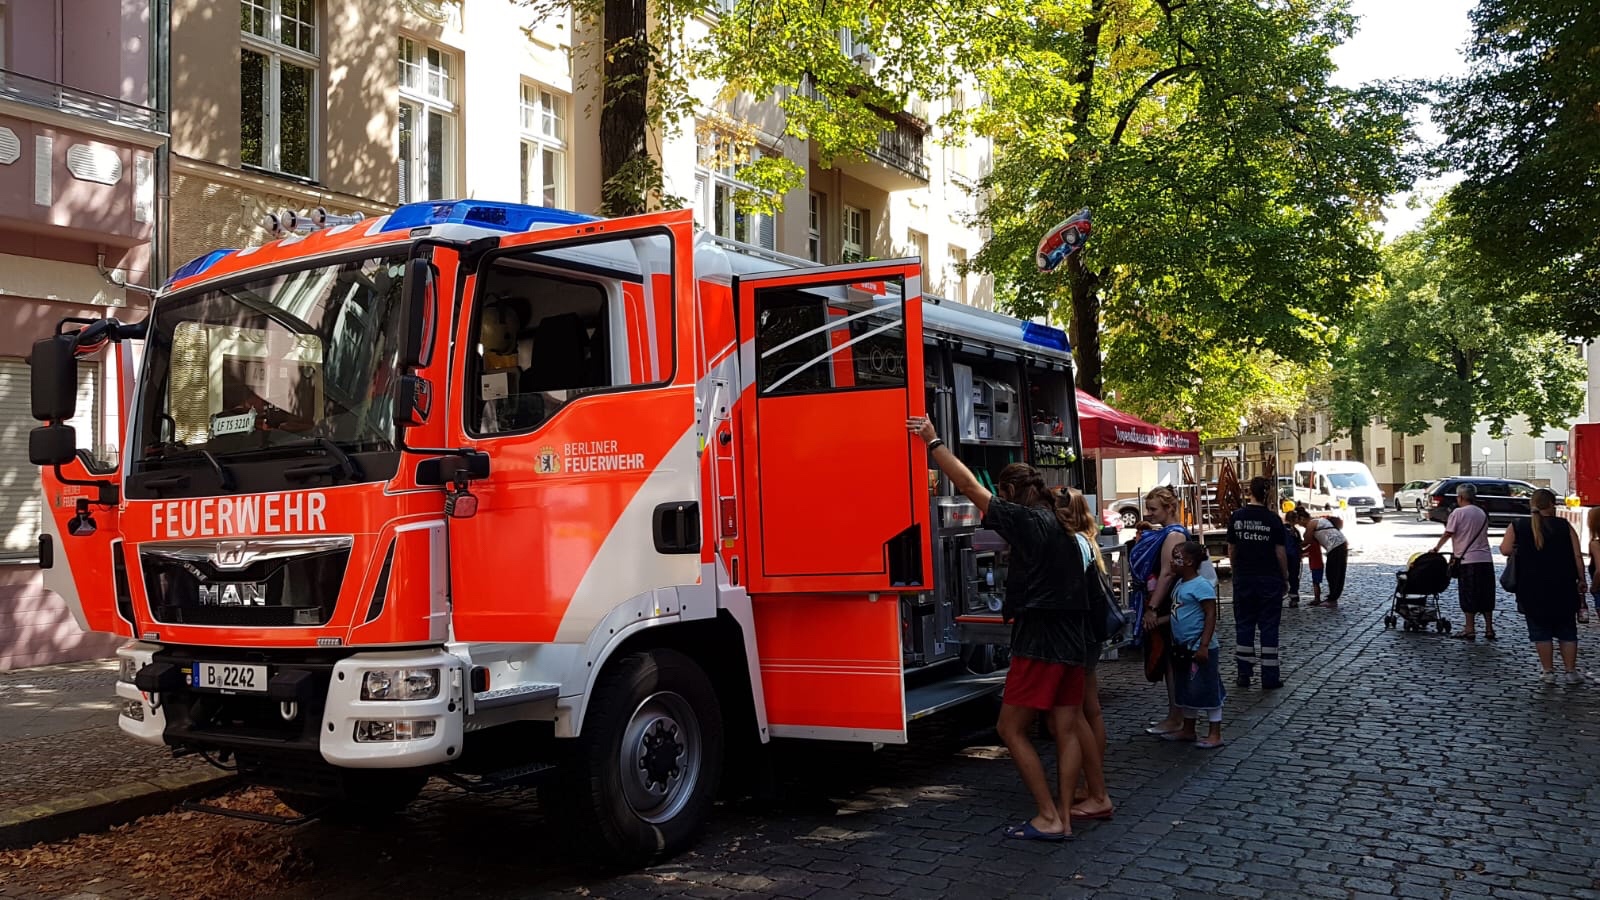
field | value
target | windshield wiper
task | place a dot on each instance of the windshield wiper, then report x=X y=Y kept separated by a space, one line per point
x=224 y=474
x=343 y=463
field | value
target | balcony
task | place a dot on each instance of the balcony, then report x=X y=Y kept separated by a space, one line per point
x=35 y=92
x=899 y=161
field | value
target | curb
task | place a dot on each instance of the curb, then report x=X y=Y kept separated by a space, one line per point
x=100 y=810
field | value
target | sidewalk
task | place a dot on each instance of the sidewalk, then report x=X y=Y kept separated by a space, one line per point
x=65 y=767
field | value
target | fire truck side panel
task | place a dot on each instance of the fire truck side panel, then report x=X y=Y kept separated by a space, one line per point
x=831 y=666
x=84 y=565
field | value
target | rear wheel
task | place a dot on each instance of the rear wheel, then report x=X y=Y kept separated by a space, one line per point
x=1130 y=518
x=368 y=795
x=641 y=779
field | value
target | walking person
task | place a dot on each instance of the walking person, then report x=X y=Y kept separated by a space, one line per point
x=1467 y=530
x=1256 y=549
x=1197 y=675
x=1047 y=601
x=1335 y=556
x=1150 y=565
x=1550 y=584
x=1095 y=801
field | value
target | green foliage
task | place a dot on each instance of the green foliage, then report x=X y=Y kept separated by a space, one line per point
x=1231 y=185
x=1524 y=127
x=1445 y=341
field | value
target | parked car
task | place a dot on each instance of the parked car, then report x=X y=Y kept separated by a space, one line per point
x=1412 y=495
x=1505 y=499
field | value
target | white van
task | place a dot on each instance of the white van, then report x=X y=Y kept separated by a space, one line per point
x=1321 y=485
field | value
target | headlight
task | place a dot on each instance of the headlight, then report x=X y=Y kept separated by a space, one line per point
x=127 y=667
x=400 y=684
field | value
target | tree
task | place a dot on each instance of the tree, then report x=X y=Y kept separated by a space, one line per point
x=1522 y=127
x=1449 y=343
x=1230 y=182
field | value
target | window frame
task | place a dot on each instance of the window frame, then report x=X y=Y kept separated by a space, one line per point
x=277 y=53
x=419 y=188
x=861 y=230
x=708 y=180
x=669 y=371
x=1419 y=454
x=816 y=226
x=760 y=380
x=534 y=138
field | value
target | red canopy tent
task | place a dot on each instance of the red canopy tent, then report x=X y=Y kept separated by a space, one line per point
x=1110 y=433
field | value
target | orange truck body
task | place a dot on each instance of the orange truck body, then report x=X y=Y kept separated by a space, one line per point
x=730 y=480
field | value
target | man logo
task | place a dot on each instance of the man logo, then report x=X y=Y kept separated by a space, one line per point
x=233 y=594
x=549 y=461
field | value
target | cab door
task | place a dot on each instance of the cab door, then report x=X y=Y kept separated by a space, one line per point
x=574 y=356
x=836 y=487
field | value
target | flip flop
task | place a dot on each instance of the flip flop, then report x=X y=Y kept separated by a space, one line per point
x=1177 y=736
x=1491 y=636
x=1465 y=635
x=1091 y=817
x=1026 y=832
x=1158 y=731
x=1207 y=744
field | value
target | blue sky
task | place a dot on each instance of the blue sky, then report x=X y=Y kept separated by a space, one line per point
x=1406 y=39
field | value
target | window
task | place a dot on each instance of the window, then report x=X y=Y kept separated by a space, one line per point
x=1419 y=454
x=814 y=236
x=918 y=242
x=853 y=233
x=278 y=85
x=1554 y=450
x=958 y=275
x=21 y=501
x=544 y=147
x=556 y=324
x=823 y=338
x=1383 y=457
x=717 y=188
x=1455 y=452
x=426 y=169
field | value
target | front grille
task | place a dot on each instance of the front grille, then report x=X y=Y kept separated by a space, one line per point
x=270 y=584
x=1363 y=501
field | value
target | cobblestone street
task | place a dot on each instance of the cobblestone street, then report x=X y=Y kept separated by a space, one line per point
x=1391 y=764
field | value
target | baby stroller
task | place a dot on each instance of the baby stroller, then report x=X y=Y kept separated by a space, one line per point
x=1416 y=594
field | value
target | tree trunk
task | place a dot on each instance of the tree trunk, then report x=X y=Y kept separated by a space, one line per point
x=623 y=128
x=1084 y=330
x=1467 y=415
x=1465 y=467
x=1084 y=327
x=1358 y=441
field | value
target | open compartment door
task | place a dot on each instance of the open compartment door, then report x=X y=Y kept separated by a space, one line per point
x=836 y=488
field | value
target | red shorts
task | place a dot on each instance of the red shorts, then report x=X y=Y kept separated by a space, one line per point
x=1043 y=685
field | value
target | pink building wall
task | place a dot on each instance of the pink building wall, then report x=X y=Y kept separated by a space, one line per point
x=99 y=46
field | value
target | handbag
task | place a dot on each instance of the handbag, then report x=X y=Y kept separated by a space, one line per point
x=1104 y=610
x=1157 y=648
x=1508 y=577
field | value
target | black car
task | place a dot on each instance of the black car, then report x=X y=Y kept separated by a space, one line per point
x=1504 y=499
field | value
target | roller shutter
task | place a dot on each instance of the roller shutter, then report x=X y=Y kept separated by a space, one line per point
x=20 y=502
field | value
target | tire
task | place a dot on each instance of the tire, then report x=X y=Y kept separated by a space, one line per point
x=1130 y=518
x=638 y=785
x=370 y=795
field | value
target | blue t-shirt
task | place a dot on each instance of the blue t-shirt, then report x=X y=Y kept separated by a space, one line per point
x=1189 y=612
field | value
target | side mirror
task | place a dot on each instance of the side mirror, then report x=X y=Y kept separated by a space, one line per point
x=419 y=313
x=52 y=445
x=413 y=400
x=54 y=378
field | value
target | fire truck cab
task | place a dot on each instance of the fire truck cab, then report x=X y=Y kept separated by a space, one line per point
x=500 y=493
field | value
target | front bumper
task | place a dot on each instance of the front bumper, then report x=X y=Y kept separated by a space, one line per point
x=317 y=720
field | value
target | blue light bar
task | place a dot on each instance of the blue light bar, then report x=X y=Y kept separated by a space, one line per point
x=199 y=264
x=482 y=213
x=1045 y=336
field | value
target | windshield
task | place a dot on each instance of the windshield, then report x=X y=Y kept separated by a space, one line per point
x=1345 y=481
x=292 y=359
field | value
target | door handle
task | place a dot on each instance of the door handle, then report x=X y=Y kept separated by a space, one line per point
x=676 y=527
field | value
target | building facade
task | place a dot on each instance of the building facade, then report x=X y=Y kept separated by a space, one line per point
x=360 y=106
x=81 y=142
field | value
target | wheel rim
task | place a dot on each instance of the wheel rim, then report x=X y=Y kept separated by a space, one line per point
x=1130 y=520
x=661 y=751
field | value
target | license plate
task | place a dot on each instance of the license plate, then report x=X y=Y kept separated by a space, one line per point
x=229 y=677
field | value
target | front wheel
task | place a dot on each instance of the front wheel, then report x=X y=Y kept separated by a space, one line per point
x=641 y=779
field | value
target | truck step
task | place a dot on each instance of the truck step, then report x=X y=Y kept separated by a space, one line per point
x=927 y=699
x=500 y=778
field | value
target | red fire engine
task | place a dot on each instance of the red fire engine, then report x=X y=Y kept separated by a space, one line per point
x=491 y=492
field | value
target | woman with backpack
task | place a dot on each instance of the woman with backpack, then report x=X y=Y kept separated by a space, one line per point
x=1150 y=566
x=1048 y=600
x=1545 y=566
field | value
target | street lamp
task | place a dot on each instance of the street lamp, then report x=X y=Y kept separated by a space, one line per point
x=1486 y=454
